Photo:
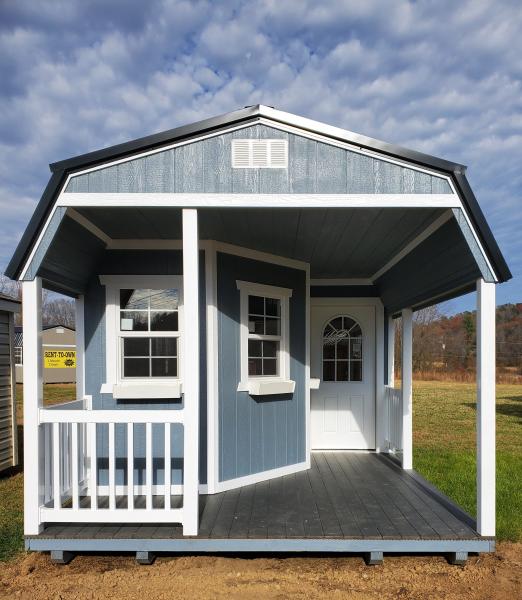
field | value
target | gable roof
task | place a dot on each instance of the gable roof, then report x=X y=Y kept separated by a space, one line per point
x=62 y=169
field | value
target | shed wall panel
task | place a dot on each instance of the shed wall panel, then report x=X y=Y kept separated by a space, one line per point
x=258 y=433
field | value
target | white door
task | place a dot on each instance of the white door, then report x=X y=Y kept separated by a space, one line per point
x=343 y=359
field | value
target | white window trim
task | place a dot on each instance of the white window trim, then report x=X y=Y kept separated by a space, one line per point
x=263 y=385
x=146 y=387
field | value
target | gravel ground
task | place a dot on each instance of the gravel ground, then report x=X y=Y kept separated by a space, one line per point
x=489 y=576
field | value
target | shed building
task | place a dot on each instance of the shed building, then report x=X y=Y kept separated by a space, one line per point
x=8 y=430
x=58 y=354
x=236 y=282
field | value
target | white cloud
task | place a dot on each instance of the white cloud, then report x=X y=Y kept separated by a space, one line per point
x=440 y=77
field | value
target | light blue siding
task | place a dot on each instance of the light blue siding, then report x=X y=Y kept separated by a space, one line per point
x=258 y=434
x=205 y=166
x=151 y=262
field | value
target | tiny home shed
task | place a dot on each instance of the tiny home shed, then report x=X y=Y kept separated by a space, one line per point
x=236 y=282
x=8 y=431
x=58 y=354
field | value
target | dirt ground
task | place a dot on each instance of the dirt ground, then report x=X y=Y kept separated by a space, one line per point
x=489 y=576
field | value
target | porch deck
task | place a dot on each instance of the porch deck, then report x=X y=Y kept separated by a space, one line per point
x=347 y=502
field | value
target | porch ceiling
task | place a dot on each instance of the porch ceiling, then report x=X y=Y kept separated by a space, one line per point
x=353 y=243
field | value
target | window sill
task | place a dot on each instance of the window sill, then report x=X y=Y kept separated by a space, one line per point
x=146 y=391
x=267 y=387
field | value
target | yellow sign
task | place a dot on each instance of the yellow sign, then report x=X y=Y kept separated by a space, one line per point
x=59 y=359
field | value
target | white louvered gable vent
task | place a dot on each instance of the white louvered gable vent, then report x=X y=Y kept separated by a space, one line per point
x=259 y=154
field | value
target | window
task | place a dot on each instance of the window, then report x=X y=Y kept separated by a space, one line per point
x=148 y=332
x=18 y=355
x=265 y=352
x=264 y=336
x=342 y=350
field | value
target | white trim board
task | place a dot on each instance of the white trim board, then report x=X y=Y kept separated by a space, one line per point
x=212 y=200
x=230 y=484
x=437 y=224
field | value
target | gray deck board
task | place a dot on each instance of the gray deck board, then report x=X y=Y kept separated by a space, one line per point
x=343 y=496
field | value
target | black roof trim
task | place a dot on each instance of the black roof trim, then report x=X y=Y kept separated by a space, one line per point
x=151 y=141
x=60 y=170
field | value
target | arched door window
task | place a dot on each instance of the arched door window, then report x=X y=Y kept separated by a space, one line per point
x=342 y=350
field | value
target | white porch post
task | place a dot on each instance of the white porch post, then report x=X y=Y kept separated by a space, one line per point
x=485 y=408
x=407 y=391
x=391 y=351
x=80 y=347
x=33 y=398
x=191 y=371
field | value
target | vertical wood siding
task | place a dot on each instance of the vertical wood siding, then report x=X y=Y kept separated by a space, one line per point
x=6 y=406
x=258 y=434
x=139 y=262
x=206 y=166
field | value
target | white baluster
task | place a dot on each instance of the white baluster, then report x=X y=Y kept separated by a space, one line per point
x=167 y=466
x=130 y=466
x=148 y=467
x=57 y=500
x=94 y=468
x=112 y=477
x=75 y=478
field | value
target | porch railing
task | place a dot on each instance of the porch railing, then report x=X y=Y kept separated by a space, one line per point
x=72 y=461
x=393 y=407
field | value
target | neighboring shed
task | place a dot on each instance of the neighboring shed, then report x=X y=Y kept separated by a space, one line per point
x=8 y=437
x=58 y=356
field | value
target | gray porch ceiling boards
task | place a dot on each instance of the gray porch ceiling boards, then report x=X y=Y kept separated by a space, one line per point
x=336 y=242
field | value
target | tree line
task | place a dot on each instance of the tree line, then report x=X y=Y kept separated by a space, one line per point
x=447 y=345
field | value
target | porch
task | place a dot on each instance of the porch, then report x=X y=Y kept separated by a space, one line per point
x=358 y=502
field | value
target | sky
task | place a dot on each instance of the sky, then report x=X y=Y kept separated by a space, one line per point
x=442 y=77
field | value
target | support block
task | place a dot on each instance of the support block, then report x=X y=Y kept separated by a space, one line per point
x=458 y=558
x=374 y=557
x=61 y=557
x=143 y=557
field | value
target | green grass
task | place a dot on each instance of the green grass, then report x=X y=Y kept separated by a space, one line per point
x=444 y=453
x=12 y=481
x=444 y=447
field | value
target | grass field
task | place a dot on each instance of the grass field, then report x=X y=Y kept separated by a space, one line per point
x=444 y=452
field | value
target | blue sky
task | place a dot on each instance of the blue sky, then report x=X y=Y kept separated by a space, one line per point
x=442 y=77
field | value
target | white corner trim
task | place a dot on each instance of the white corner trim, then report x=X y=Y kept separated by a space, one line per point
x=267 y=387
x=84 y=222
x=260 y=289
x=437 y=224
x=212 y=349
x=230 y=484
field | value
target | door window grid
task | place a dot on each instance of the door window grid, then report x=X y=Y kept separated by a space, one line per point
x=342 y=350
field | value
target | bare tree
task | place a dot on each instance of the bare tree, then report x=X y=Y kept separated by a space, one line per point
x=56 y=309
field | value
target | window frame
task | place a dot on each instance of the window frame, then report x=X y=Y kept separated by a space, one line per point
x=21 y=355
x=348 y=360
x=246 y=289
x=115 y=336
